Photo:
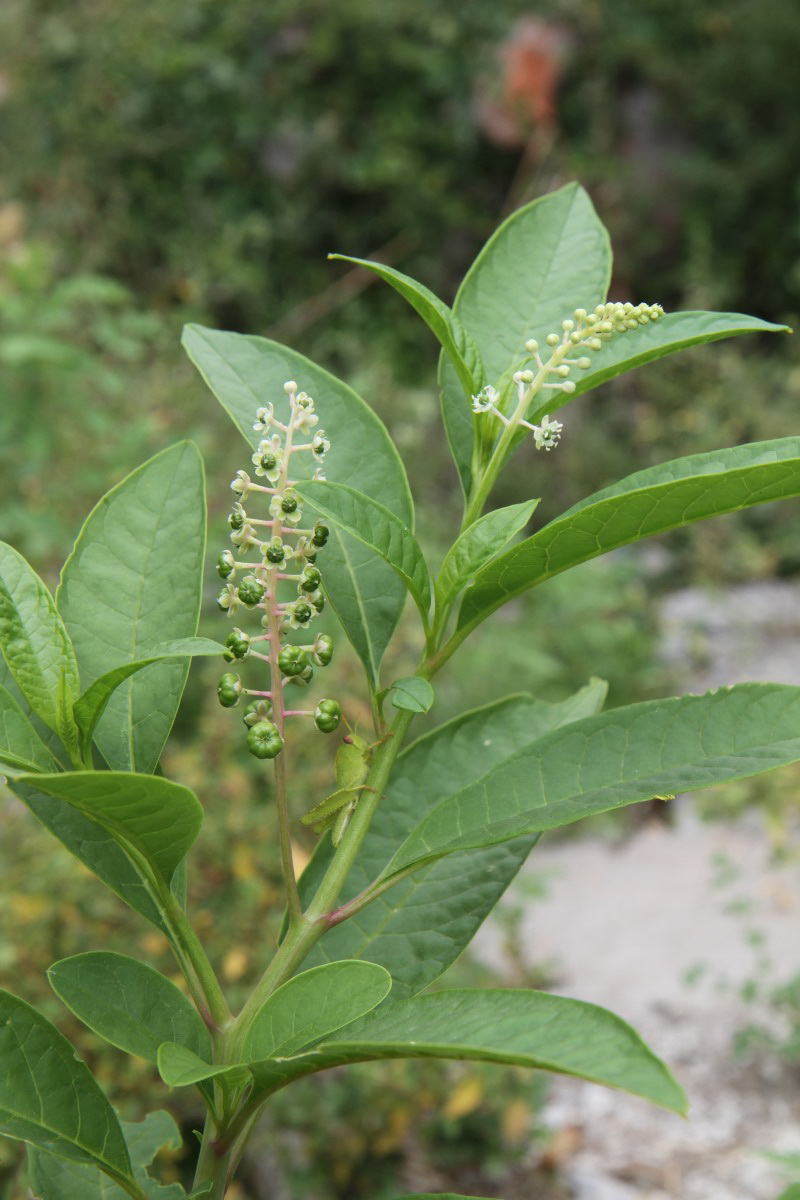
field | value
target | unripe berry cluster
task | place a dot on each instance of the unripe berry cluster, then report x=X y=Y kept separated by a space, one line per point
x=271 y=554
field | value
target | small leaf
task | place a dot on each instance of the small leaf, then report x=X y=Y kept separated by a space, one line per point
x=180 y=1067
x=379 y=529
x=475 y=547
x=129 y=1004
x=149 y=817
x=48 y=1096
x=545 y=260
x=617 y=758
x=312 y=1005
x=21 y=748
x=90 y=707
x=413 y=694
x=36 y=645
x=653 y=501
x=519 y=1027
x=455 y=340
x=246 y=373
x=132 y=582
x=422 y=925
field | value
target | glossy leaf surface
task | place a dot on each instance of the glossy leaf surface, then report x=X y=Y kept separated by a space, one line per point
x=247 y=372
x=133 y=582
x=36 y=646
x=476 y=546
x=419 y=927
x=49 y=1098
x=148 y=816
x=660 y=747
x=94 y=846
x=379 y=529
x=313 y=1005
x=545 y=260
x=653 y=501
x=92 y=704
x=128 y=1003
x=455 y=340
x=523 y=1028
x=21 y=748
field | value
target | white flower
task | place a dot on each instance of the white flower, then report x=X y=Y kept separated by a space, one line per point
x=268 y=458
x=241 y=484
x=320 y=445
x=485 y=400
x=548 y=434
x=264 y=419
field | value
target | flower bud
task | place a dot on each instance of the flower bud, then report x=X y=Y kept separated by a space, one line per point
x=323 y=650
x=257 y=710
x=238 y=645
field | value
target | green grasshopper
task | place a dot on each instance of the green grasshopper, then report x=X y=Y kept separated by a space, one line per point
x=352 y=768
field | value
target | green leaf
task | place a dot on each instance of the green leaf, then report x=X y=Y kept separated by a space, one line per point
x=413 y=694
x=547 y=259
x=379 y=529
x=652 y=501
x=791 y=1193
x=455 y=340
x=21 y=748
x=152 y=819
x=133 y=582
x=180 y=1067
x=48 y=1096
x=660 y=747
x=129 y=1004
x=90 y=707
x=36 y=645
x=312 y=1005
x=672 y=332
x=523 y=1028
x=247 y=372
x=54 y=1178
x=418 y=928
x=95 y=847
x=474 y=548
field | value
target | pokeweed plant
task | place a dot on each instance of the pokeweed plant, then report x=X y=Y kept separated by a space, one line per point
x=417 y=842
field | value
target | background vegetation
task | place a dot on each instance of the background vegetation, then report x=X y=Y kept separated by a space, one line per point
x=163 y=161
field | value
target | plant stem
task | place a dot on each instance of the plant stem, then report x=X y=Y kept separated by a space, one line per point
x=212 y=1166
x=201 y=974
x=305 y=931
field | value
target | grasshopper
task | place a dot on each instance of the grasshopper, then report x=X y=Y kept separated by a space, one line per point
x=352 y=768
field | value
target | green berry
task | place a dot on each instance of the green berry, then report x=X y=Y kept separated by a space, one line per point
x=229 y=689
x=318 y=601
x=236 y=517
x=321 y=534
x=268 y=461
x=275 y=552
x=225 y=564
x=327 y=716
x=251 y=591
x=292 y=660
x=264 y=741
x=257 y=710
x=238 y=643
x=302 y=612
x=310 y=580
x=288 y=504
x=323 y=650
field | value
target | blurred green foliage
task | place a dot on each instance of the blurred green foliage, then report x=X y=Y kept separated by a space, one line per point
x=163 y=161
